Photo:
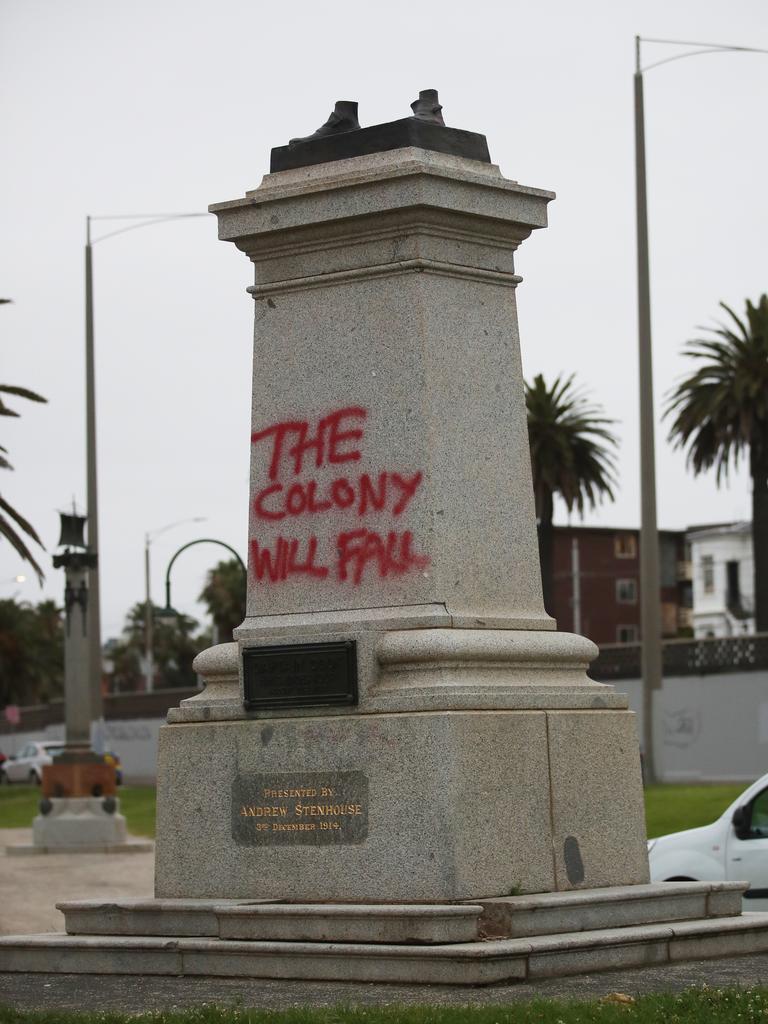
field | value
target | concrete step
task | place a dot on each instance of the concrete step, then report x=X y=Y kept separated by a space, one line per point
x=468 y=963
x=592 y=909
x=269 y=920
x=399 y=924
x=173 y=917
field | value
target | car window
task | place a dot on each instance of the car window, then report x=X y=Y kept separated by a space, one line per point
x=759 y=821
x=28 y=751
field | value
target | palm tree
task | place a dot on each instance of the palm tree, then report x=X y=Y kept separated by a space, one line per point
x=224 y=593
x=571 y=455
x=721 y=410
x=10 y=519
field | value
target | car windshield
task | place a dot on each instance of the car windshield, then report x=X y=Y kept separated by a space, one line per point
x=53 y=749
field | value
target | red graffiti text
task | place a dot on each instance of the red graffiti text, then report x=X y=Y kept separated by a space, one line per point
x=299 y=449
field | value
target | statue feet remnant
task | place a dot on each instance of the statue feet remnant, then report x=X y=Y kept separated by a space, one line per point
x=343 y=119
x=427 y=107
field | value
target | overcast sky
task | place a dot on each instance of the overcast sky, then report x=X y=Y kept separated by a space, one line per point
x=168 y=105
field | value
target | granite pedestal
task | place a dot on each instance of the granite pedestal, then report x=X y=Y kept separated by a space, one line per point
x=400 y=769
x=391 y=509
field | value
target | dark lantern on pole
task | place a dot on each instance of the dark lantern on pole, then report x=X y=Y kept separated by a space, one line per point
x=72 y=530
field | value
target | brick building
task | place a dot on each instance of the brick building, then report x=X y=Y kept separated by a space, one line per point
x=596 y=587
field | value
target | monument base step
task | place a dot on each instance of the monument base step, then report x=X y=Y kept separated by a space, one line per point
x=615 y=906
x=466 y=963
x=274 y=921
x=498 y=917
x=501 y=939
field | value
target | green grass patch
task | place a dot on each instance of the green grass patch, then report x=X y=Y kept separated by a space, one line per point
x=674 y=808
x=668 y=808
x=18 y=806
x=696 y=1006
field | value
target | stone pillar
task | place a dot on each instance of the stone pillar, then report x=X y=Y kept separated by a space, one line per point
x=77 y=706
x=408 y=723
x=79 y=811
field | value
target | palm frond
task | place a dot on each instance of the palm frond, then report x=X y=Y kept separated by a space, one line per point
x=8 y=530
x=12 y=389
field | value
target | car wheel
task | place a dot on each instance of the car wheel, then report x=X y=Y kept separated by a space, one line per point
x=34 y=778
x=3 y=778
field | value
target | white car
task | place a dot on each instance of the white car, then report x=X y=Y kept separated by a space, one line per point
x=27 y=765
x=733 y=848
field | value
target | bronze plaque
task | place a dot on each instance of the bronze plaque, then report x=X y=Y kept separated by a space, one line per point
x=300 y=809
x=300 y=675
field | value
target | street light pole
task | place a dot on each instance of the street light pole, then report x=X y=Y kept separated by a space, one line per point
x=149 y=640
x=168 y=611
x=149 y=626
x=650 y=608
x=650 y=599
x=94 y=604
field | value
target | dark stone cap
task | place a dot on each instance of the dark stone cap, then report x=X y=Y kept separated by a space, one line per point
x=410 y=131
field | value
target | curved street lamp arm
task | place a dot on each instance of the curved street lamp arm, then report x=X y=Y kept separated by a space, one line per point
x=702 y=48
x=202 y=540
x=143 y=223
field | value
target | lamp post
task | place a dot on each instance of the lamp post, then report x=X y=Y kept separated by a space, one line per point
x=76 y=561
x=650 y=608
x=94 y=604
x=169 y=612
x=149 y=657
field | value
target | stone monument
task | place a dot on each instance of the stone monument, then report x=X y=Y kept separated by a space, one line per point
x=400 y=770
x=79 y=811
x=408 y=723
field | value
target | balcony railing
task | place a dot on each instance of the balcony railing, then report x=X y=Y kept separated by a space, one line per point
x=685 y=657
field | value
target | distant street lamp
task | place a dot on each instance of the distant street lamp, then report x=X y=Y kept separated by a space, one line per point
x=650 y=608
x=169 y=613
x=149 y=654
x=94 y=614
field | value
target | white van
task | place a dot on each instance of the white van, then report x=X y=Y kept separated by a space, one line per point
x=733 y=848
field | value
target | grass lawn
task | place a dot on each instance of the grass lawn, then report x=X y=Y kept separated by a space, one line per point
x=674 y=808
x=18 y=806
x=713 y=1006
x=667 y=808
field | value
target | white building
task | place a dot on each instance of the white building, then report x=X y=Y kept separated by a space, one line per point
x=723 y=579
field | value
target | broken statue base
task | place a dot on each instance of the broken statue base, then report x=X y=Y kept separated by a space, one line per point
x=533 y=787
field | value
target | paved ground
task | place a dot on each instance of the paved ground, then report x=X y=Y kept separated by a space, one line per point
x=31 y=886
x=134 y=994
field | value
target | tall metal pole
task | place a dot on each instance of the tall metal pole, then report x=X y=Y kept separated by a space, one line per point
x=576 y=584
x=149 y=645
x=650 y=607
x=94 y=615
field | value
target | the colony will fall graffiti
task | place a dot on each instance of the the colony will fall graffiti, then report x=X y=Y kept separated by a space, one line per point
x=298 y=485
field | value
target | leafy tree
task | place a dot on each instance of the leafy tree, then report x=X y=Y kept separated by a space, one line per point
x=571 y=455
x=721 y=412
x=224 y=594
x=31 y=652
x=174 y=648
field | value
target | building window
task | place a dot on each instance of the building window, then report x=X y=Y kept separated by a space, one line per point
x=708 y=573
x=625 y=545
x=626 y=591
x=627 y=635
